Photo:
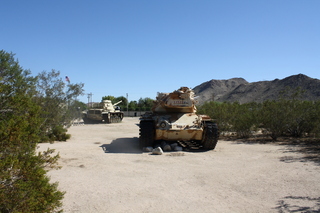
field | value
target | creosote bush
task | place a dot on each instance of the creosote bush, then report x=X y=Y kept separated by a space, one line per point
x=284 y=117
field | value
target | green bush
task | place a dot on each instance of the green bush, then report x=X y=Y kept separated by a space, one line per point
x=57 y=100
x=24 y=186
x=59 y=133
x=284 y=117
x=273 y=116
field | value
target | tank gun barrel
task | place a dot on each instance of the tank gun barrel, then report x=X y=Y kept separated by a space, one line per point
x=117 y=103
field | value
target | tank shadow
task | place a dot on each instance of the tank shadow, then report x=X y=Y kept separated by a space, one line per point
x=123 y=145
x=192 y=146
x=195 y=149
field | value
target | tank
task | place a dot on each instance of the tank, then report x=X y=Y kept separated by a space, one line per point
x=173 y=118
x=106 y=112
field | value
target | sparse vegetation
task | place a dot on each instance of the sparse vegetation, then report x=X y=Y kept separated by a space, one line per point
x=284 y=117
x=58 y=103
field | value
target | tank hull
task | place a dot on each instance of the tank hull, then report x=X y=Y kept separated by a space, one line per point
x=179 y=135
x=178 y=126
x=108 y=117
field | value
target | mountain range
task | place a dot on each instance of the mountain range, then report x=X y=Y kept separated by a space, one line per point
x=240 y=90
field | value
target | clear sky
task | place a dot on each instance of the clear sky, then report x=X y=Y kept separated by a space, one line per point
x=142 y=47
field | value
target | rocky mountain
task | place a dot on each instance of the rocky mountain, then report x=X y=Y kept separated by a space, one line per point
x=238 y=89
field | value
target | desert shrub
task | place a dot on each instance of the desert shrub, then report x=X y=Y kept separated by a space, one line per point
x=273 y=117
x=57 y=100
x=284 y=117
x=315 y=125
x=217 y=111
x=232 y=117
x=294 y=118
x=244 y=119
x=58 y=133
x=301 y=117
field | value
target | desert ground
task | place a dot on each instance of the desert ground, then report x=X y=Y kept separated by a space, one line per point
x=103 y=170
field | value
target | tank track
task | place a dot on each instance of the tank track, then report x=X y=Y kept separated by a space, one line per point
x=210 y=135
x=115 y=117
x=209 y=141
x=192 y=146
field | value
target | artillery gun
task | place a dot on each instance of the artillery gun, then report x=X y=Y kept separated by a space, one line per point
x=173 y=118
x=106 y=112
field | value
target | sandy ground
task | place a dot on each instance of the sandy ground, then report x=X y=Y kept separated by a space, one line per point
x=103 y=170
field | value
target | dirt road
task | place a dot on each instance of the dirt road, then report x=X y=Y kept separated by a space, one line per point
x=103 y=170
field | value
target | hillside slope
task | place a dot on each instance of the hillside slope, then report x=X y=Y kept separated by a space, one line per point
x=238 y=89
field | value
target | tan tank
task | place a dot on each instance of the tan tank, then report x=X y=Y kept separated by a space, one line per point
x=174 y=118
x=106 y=112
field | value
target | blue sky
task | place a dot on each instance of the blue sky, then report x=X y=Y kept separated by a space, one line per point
x=142 y=47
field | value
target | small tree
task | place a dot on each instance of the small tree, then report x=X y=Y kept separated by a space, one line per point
x=24 y=186
x=145 y=104
x=56 y=100
x=133 y=105
x=123 y=103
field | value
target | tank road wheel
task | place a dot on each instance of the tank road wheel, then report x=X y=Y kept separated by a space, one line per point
x=119 y=119
x=105 y=117
x=121 y=116
x=210 y=135
x=116 y=118
x=146 y=134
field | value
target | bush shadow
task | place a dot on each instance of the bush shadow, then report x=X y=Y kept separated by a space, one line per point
x=298 y=204
x=308 y=147
x=123 y=145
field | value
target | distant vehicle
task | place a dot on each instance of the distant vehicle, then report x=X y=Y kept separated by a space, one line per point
x=106 y=112
x=174 y=118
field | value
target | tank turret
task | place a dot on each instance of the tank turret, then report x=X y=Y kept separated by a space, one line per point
x=107 y=105
x=181 y=100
